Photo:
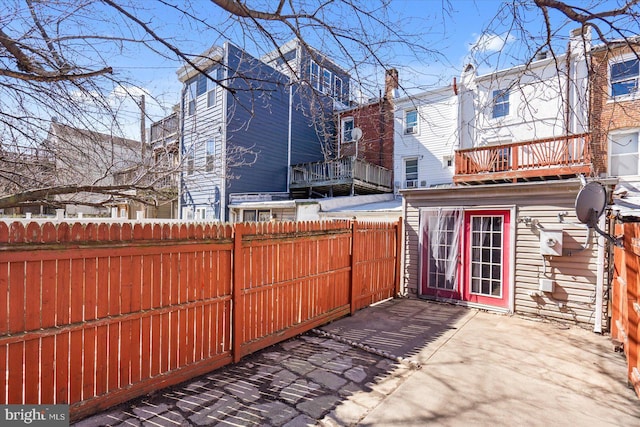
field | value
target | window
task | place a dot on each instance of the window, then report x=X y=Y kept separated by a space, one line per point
x=500 y=103
x=256 y=215
x=443 y=228
x=191 y=98
x=211 y=90
x=326 y=81
x=411 y=173
x=200 y=213
x=211 y=150
x=190 y=163
x=187 y=212
x=314 y=75
x=486 y=255
x=201 y=84
x=624 y=77
x=347 y=129
x=624 y=154
x=338 y=89
x=411 y=121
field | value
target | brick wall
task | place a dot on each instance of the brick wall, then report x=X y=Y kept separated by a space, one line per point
x=607 y=115
x=376 y=122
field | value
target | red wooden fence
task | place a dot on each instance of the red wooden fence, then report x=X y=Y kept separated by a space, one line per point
x=96 y=314
x=625 y=302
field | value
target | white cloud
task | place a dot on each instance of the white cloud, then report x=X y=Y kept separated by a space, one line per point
x=490 y=42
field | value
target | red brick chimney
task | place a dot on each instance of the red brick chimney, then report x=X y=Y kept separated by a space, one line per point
x=390 y=84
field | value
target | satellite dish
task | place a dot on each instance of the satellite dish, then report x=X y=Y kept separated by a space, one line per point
x=590 y=203
x=356 y=134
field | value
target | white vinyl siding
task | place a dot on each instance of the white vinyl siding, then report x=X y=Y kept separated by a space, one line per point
x=533 y=109
x=437 y=138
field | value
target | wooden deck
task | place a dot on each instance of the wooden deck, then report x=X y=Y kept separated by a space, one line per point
x=538 y=160
x=344 y=176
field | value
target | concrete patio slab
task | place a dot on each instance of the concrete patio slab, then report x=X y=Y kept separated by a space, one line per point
x=477 y=368
x=499 y=370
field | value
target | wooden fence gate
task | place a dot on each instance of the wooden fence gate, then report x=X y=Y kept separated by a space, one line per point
x=96 y=314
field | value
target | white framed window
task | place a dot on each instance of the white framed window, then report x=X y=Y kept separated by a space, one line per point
x=347 y=129
x=500 y=103
x=326 y=81
x=187 y=212
x=201 y=84
x=190 y=97
x=623 y=157
x=623 y=76
x=210 y=154
x=411 y=172
x=411 y=121
x=211 y=91
x=200 y=214
x=190 y=162
x=337 y=87
x=314 y=75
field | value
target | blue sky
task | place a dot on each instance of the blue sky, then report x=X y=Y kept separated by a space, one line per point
x=445 y=34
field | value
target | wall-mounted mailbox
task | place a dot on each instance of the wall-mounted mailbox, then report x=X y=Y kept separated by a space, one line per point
x=551 y=242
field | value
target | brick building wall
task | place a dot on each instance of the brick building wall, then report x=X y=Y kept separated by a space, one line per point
x=606 y=113
x=376 y=122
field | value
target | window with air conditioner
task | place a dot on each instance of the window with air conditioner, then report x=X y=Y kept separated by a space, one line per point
x=411 y=121
x=411 y=173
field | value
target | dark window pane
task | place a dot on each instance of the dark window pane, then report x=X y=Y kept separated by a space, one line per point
x=201 y=84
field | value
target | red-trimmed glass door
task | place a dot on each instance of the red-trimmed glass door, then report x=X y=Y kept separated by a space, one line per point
x=486 y=249
x=440 y=253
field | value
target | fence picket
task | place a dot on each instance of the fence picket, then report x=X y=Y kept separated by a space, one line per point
x=32 y=371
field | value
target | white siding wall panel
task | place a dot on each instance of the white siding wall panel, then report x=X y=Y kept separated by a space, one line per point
x=574 y=273
x=536 y=110
x=436 y=137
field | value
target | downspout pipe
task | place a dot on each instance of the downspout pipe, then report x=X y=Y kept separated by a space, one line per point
x=567 y=101
x=289 y=136
x=597 y=327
